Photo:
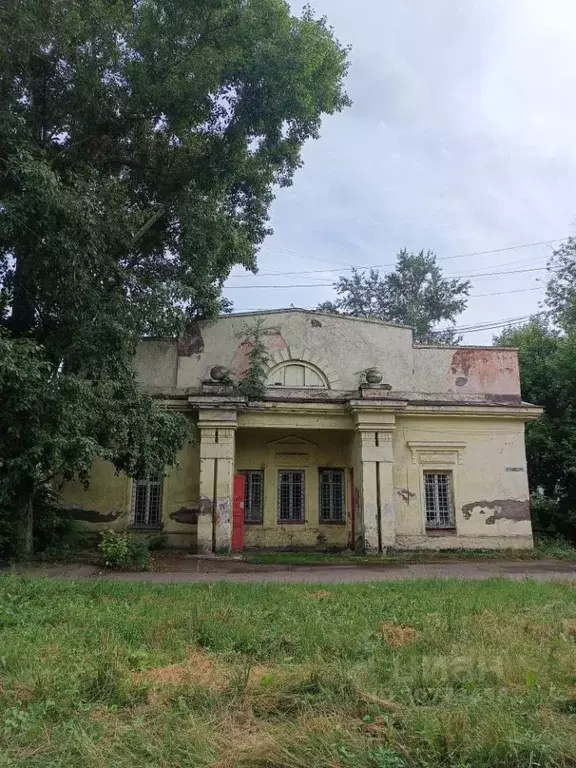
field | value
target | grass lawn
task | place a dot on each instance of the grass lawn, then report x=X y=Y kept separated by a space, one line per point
x=418 y=673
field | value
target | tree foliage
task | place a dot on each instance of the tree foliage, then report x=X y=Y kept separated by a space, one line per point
x=551 y=440
x=547 y=353
x=253 y=384
x=140 y=144
x=415 y=294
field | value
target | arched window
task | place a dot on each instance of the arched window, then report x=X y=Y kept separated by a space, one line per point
x=296 y=374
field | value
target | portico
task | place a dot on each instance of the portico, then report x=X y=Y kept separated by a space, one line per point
x=354 y=437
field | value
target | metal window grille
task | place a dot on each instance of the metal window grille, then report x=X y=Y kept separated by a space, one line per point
x=147 y=500
x=331 y=489
x=438 y=499
x=290 y=495
x=253 y=495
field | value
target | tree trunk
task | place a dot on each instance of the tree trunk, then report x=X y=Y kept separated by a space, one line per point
x=23 y=299
x=25 y=517
x=28 y=539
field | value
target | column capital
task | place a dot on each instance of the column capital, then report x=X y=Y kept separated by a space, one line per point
x=373 y=420
x=371 y=427
x=217 y=402
x=375 y=416
x=383 y=406
x=217 y=418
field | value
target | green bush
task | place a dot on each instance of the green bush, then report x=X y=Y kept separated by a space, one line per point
x=114 y=549
x=157 y=541
x=555 y=547
x=139 y=553
x=552 y=519
x=118 y=550
x=56 y=533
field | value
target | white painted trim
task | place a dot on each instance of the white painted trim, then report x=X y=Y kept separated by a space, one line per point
x=299 y=355
x=450 y=452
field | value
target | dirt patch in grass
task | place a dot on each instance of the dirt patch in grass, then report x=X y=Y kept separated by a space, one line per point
x=270 y=745
x=396 y=636
x=321 y=594
x=569 y=627
x=23 y=692
x=245 y=743
x=260 y=675
x=101 y=715
x=199 y=669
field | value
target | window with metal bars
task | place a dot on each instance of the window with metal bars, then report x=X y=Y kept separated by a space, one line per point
x=331 y=495
x=147 y=500
x=291 y=496
x=253 y=495
x=438 y=500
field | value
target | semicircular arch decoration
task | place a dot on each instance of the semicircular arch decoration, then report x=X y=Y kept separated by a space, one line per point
x=297 y=368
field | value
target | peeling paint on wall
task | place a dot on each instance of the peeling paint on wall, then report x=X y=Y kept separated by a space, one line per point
x=185 y=515
x=205 y=507
x=273 y=340
x=92 y=515
x=405 y=494
x=223 y=511
x=462 y=361
x=502 y=509
x=192 y=343
x=484 y=370
x=241 y=362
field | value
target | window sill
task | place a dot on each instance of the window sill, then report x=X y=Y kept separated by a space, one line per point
x=291 y=522
x=157 y=527
x=332 y=522
x=441 y=531
x=253 y=522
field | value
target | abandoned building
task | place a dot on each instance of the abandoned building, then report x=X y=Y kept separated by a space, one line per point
x=361 y=440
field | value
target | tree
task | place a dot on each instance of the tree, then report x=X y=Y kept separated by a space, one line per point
x=561 y=288
x=415 y=294
x=539 y=346
x=548 y=378
x=140 y=144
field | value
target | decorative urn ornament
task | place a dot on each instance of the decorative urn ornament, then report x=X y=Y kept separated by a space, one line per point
x=373 y=376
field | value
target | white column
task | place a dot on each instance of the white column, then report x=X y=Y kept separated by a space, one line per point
x=373 y=460
x=217 y=447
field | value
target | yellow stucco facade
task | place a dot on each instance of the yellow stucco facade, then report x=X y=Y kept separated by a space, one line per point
x=362 y=441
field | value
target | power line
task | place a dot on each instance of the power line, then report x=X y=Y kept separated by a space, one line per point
x=287 y=274
x=495 y=326
x=473 y=296
x=328 y=285
x=488 y=323
x=383 y=266
x=504 y=293
x=303 y=256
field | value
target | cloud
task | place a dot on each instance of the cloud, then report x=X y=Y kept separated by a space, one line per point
x=460 y=139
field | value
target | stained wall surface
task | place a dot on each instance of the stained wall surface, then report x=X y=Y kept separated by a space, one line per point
x=457 y=410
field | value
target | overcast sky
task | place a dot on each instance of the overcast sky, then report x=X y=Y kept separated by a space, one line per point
x=461 y=139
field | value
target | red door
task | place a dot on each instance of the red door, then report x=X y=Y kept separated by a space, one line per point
x=238 y=513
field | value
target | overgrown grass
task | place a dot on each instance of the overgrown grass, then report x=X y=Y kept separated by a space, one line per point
x=413 y=674
x=545 y=549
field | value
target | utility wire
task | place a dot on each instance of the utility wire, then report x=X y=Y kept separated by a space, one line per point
x=473 y=296
x=328 y=285
x=516 y=262
x=393 y=264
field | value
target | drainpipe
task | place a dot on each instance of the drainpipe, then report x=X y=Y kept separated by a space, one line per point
x=352 y=541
